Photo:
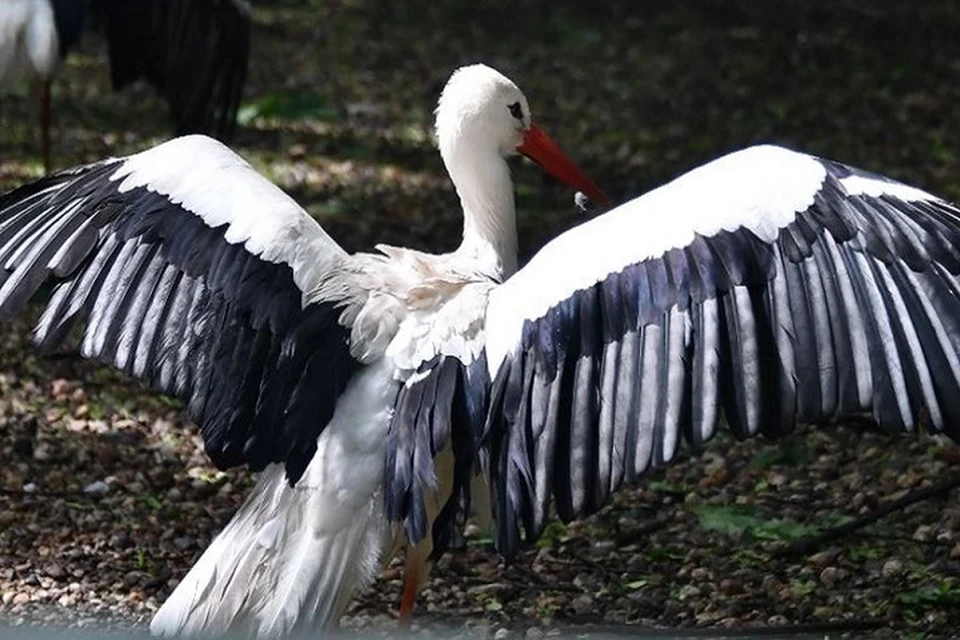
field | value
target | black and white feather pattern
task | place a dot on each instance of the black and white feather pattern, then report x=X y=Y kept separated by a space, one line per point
x=766 y=288
x=192 y=272
x=439 y=409
x=443 y=407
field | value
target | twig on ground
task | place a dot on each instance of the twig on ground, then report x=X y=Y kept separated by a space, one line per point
x=806 y=545
x=38 y=493
x=814 y=630
x=638 y=534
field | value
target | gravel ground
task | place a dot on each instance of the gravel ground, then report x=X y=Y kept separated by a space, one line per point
x=106 y=498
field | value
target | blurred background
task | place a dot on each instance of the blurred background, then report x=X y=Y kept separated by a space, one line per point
x=337 y=110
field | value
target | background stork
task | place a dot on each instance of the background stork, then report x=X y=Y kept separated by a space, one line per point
x=762 y=289
x=194 y=52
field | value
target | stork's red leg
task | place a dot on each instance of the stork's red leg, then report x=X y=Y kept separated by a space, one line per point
x=45 y=123
x=411 y=583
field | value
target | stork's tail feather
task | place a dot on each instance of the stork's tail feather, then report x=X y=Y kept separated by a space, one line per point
x=289 y=559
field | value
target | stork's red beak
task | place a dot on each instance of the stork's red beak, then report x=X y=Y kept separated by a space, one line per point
x=541 y=149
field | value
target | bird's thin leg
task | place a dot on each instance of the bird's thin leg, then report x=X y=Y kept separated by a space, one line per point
x=411 y=583
x=45 y=123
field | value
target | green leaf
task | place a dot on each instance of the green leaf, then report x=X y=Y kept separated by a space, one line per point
x=944 y=593
x=288 y=105
x=554 y=533
x=494 y=605
x=636 y=584
x=791 y=451
x=736 y=521
x=666 y=487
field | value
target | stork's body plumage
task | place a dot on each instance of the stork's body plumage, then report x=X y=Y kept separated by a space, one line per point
x=768 y=287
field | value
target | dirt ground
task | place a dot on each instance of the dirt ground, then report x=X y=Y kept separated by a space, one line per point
x=106 y=498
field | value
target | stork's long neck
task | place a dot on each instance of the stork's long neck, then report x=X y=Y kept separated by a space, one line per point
x=482 y=179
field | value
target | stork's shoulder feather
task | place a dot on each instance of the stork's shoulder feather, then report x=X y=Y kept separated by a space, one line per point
x=424 y=313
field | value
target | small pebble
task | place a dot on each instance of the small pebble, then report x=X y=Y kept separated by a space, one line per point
x=701 y=575
x=731 y=586
x=121 y=541
x=771 y=584
x=823 y=613
x=534 y=633
x=891 y=568
x=688 y=591
x=182 y=543
x=96 y=488
x=501 y=634
x=829 y=576
x=56 y=572
x=132 y=578
x=604 y=545
x=582 y=604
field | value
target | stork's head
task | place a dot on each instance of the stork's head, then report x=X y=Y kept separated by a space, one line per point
x=481 y=109
x=482 y=106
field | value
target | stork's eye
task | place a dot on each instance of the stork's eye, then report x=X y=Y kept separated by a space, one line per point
x=516 y=111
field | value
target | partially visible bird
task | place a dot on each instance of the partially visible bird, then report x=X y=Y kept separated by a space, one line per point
x=35 y=35
x=194 y=52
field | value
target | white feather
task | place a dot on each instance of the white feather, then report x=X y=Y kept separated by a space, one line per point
x=454 y=328
x=291 y=558
x=866 y=186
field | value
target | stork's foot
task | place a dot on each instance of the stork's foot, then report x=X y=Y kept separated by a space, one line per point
x=411 y=585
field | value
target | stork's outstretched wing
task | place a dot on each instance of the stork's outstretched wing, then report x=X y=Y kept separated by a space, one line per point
x=194 y=52
x=194 y=273
x=768 y=287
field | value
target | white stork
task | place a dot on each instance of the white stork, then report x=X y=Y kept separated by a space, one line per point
x=194 y=52
x=767 y=287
